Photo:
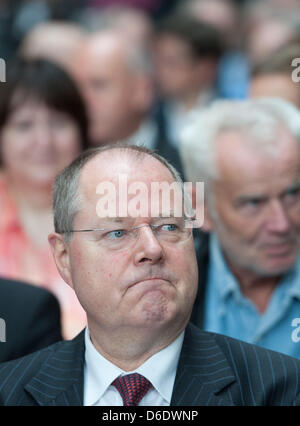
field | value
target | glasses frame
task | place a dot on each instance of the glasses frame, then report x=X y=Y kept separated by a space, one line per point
x=153 y=227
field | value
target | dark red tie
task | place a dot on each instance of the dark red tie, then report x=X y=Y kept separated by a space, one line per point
x=132 y=388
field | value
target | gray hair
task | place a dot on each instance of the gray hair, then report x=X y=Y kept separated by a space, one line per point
x=258 y=119
x=67 y=199
x=137 y=54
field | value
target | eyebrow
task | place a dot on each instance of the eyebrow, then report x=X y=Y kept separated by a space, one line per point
x=294 y=186
x=262 y=197
x=170 y=213
x=116 y=219
x=244 y=199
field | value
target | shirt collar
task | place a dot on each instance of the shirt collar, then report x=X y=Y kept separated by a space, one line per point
x=160 y=370
x=226 y=282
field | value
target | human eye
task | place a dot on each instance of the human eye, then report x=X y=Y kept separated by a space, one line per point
x=169 y=227
x=116 y=234
x=23 y=125
x=251 y=205
x=254 y=202
x=292 y=196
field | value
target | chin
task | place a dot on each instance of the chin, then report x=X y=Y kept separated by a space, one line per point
x=278 y=267
x=157 y=310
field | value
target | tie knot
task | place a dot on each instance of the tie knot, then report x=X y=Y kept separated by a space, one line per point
x=132 y=388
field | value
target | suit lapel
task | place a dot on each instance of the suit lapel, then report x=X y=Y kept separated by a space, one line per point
x=203 y=371
x=59 y=381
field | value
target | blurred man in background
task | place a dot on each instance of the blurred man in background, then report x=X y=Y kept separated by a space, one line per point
x=115 y=76
x=225 y=16
x=248 y=155
x=187 y=53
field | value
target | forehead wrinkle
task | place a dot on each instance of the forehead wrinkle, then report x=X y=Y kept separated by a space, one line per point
x=117 y=161
x=246 y=153
x=109 y=165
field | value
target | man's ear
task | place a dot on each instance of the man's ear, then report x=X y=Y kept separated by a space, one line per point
x=60 y=251
x=202 y=212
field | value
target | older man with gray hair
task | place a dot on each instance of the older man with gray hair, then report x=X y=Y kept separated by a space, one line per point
x=248 y=155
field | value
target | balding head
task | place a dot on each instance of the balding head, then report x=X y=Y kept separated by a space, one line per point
x=114 y=77
x=109 y=254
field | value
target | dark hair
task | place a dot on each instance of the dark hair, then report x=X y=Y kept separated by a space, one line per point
x=47 y=82
x=203 y=39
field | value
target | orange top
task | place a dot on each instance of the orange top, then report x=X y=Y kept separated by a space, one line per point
x=20 y=259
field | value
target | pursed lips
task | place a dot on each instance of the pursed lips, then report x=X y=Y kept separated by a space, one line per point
x=142 y=280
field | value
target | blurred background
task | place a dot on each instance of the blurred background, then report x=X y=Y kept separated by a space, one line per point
x=252 y=29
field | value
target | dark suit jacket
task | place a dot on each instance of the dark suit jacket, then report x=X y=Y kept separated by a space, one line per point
x=163 y=146
x=212 y=370
x=202 y=253
x=32 y=319
x=166 y=150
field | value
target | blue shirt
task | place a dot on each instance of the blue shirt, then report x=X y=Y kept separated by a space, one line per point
x=229 y=312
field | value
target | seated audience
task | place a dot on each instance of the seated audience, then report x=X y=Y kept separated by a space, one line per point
x=43 y=127
x=31 y=319
x=248 y=155
x=137 y=276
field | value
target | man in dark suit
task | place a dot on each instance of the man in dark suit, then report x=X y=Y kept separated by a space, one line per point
x=135 y=273
x=30 y=319
x=116 y=77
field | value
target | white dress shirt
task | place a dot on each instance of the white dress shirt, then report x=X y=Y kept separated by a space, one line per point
x=99 y=373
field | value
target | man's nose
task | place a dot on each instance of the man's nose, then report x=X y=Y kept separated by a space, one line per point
x=278 y=220
x=148 y=248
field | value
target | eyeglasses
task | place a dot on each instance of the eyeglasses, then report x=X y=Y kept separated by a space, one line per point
x=169 y=231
